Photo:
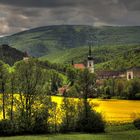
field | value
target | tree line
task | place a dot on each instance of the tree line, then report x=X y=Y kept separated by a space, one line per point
x=27 y=107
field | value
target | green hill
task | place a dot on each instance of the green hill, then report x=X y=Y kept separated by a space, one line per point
x=45 y=40
x=62 y=43
x=10 y=55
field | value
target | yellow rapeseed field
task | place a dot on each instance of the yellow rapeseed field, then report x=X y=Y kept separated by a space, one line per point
x=113 y=111
x=121 y=111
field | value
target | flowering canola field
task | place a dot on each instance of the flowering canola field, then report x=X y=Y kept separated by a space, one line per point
x=113 y=111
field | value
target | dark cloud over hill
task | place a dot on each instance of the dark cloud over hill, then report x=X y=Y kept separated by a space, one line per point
x=18 y=15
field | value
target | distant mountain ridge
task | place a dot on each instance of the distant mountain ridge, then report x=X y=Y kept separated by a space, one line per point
x=10 y=55
x=45 y=40
x=62 y=43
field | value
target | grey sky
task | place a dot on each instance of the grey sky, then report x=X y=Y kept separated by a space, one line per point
x=19 y=15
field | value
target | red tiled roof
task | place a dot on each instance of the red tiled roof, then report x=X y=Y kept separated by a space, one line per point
x=79 y=66
x=62 y=90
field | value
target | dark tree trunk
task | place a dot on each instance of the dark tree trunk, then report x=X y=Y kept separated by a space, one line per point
x=3 y=100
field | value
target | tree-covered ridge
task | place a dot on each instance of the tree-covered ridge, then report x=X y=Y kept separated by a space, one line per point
x=10 y=55
x=118 y=57
x=51 y=39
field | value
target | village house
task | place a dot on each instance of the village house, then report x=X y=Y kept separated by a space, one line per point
x=133 y=73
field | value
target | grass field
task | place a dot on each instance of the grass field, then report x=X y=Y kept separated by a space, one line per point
x=124 y=135
x=112 y=132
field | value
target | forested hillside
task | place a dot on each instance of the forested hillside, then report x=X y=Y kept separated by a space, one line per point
x=10 y=55
x=50 y=39
x=113 y=47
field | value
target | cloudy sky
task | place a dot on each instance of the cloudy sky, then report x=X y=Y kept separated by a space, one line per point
x=19 y=15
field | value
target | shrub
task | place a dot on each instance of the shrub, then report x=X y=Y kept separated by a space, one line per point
x=92 y=122
x=39 y=126
x=7 y=127
x=137 y=96
x=137 y=123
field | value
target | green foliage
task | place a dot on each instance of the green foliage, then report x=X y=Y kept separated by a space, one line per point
x=89 y=121
x=119 y=88
x=10 y=55
x=137 y=123
x=7 y=128
x=113 y=47
x=56 y=81
x=133 y=89
x=70 y=112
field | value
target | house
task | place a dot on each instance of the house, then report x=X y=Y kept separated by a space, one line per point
x=110 y=74
x=133 y=73
x=79 y=66
x=63 y=90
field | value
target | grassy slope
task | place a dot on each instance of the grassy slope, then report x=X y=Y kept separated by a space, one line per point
x=50 y=39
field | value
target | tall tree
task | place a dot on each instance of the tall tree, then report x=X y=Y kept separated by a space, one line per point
x=3 y=85
x=88 y=119
x=12 y=89
x=31 y=81
x=87 y=86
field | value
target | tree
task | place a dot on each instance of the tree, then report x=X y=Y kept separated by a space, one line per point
x=3 y=85
x=31 y=79
x=71 y=73
x=69 y=112
x=13 y=89
x=55 y=81
x=133 y=88
x=87 y=86
x=88 y=120
x=120 y=88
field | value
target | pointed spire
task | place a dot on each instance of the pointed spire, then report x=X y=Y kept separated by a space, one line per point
x=89 y=50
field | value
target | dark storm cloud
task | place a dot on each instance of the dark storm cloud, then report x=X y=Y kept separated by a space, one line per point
x=18 y=15
x=133 y=5
x=39 y=3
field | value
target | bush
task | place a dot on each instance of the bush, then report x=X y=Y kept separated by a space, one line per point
x=137 y=96
x=106 y=97
x=90 y=123
x=7 y=128
x=39 y=126
x=137 y=123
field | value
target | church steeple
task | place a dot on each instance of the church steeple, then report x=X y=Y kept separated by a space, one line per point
x=90 y=54
x=89 y=51
x=90 y=61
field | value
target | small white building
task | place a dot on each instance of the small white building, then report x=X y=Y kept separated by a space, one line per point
x=133 y=73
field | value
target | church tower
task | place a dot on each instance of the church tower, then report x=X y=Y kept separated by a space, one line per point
x=90 y=61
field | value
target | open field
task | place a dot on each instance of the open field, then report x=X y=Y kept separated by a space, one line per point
x=114 y=110
x=112 y=132
x=125 y=135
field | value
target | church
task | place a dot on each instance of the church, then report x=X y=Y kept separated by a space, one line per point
x=129 y=74
x=89 y=63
